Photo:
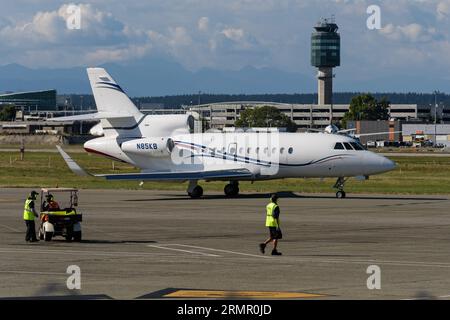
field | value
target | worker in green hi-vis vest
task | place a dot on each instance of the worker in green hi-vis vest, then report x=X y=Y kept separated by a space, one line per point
x=29 y=213
x=273 y=223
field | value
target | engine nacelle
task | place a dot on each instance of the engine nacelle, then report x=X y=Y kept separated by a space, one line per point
x=152 y=147
x=97 y=130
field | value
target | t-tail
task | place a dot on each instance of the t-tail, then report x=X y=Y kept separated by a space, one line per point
x=111 y=100
x=116 y=112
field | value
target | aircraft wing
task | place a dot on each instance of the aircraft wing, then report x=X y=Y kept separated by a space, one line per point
x=159 y=175
x=90 y=116
x=375 y=134
x=181 y=175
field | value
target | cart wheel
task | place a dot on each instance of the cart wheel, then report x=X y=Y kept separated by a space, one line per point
x=48 y=236
x=77 y=236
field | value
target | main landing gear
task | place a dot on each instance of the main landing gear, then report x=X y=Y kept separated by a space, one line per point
x=340 y=194
x=231 y=189
x=194 y=190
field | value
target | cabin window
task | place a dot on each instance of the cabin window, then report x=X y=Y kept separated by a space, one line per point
x=339 y=146
x=249 y=150
x=282 y=150
x=274 y=150
x=291 y=150
x=348 y=146
x=357 y=146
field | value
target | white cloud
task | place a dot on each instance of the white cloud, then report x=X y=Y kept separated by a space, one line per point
x=179 y=37
x=443 y=10
x=413 y=32
x=226 y=34
x=203 y=24
x=233 y=34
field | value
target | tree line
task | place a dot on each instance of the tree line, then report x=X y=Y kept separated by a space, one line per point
x=176 y=101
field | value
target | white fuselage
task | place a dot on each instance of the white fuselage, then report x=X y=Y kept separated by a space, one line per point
x=266 y=156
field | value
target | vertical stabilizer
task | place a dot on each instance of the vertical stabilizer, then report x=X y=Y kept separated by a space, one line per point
x=109 y=96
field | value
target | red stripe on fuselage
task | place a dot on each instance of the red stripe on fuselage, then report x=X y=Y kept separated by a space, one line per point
x=103 y=154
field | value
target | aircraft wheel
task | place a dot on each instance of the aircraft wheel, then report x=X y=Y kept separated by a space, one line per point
x=48 y=236
x=77 y=236
x=231 y=190
x=341 y=194
x=196 y=193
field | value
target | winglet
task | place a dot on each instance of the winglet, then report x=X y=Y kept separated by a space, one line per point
x=72 y=164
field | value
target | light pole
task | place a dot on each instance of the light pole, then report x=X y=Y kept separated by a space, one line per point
x=435 y=117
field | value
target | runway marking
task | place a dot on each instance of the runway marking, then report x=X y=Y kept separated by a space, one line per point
x=198 y=294
x=386 y=262
x=185 y=251
x=220 y=250
x=426 y=298
x=33 y=272
x=9 y=228
x=77 y=252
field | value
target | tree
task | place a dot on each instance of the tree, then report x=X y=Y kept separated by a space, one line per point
x=8 y=113
x=265 y=116
x=366 y=107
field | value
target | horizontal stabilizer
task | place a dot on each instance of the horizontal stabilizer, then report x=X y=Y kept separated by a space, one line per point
x=72 y=164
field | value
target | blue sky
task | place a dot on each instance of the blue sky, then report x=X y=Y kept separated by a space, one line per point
x=414 y=42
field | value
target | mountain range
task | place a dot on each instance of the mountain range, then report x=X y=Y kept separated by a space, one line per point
x=156 y=78
x=160 y=77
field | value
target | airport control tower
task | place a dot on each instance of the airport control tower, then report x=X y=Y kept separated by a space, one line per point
x=325 y=55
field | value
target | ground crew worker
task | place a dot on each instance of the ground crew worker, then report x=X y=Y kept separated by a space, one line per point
x=50 y=204
x=273 y=223
x=29 y=213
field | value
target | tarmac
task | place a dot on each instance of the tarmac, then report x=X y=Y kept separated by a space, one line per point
x=163 y=245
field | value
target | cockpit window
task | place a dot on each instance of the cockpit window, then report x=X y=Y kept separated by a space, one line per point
x=339 y=146
x=348 y=146
x=357 y=146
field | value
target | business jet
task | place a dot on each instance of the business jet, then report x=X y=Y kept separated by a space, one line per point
x=164 y=149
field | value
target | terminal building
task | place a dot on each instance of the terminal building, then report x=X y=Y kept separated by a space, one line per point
x=221 y=115
x=32 y=101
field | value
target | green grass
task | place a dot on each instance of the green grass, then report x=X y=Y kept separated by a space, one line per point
x=415 y=175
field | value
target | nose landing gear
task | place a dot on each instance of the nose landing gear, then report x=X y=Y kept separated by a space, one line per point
x=339 y=185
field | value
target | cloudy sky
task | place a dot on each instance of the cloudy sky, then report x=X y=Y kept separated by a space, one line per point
x=414 y=41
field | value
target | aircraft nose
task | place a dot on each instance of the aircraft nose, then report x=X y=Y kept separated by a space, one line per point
x=387 y=164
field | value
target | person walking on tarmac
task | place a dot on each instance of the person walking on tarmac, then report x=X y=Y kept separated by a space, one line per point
x=29 y=213
x=273 y=223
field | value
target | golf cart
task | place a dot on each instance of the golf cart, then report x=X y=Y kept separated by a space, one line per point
x=60 y=218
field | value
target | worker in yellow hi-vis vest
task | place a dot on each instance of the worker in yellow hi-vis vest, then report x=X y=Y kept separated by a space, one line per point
x=29 y=213
x=273 y=223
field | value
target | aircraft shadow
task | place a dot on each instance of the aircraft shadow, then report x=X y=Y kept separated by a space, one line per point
x=93 y=241
x=286 y=195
